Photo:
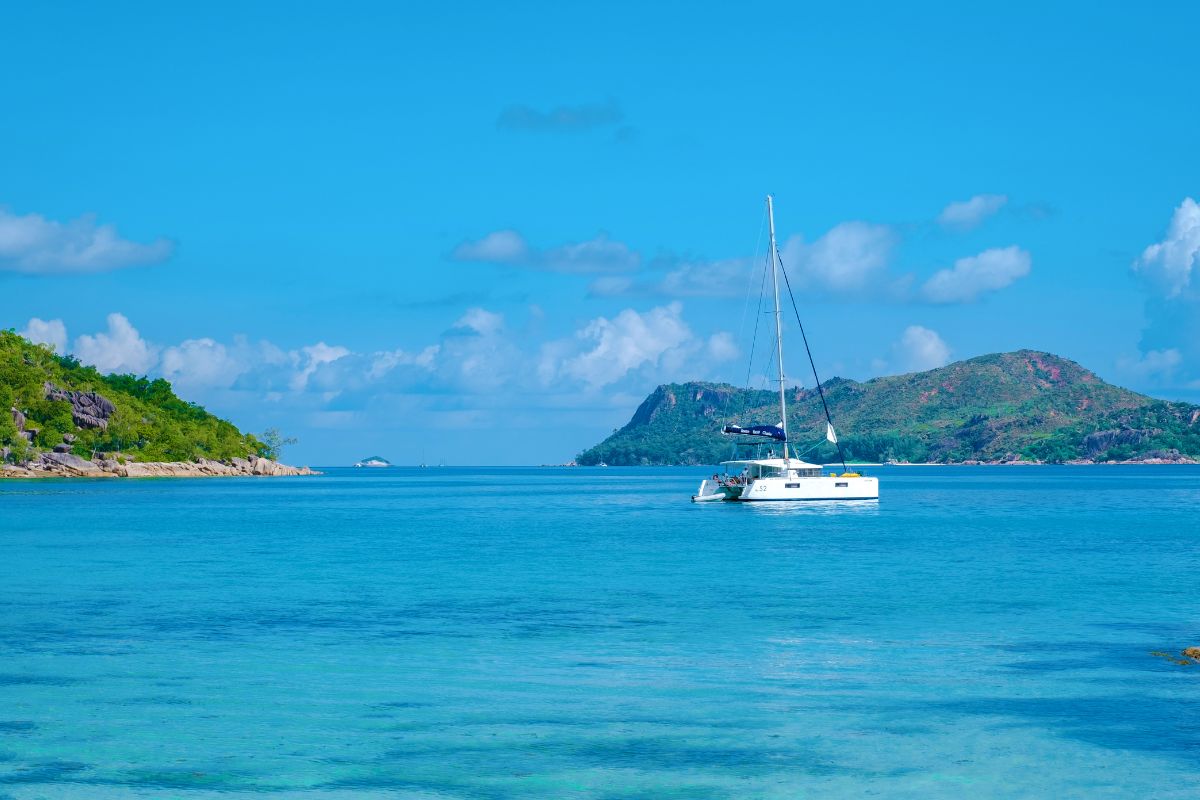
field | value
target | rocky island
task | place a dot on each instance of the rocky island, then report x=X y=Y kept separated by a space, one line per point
x=59 y=418
x=374 y=461
x=1024 y=407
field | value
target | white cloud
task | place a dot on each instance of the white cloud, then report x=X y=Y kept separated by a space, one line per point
x=626 y=342
x=1152 y=364
x=207 y=365
x=848 y=258
x=311 y=357
x=1169 y=263
x=919 y=349
x=614 y=286
x=478 y=356
x=498 y=247
x=683 y=278
x=721 y=347
x=201 y=363
x=966 y=214
x=723 y=278
x=600 y=254
x=597 y=255
x=50 y=332
x=970 y=277
x=481 y=321
x=119 y=349
x=384 y=362
x=478 y=372
x=34 y=244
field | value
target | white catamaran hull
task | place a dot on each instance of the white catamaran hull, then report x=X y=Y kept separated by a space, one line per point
x=824 y=488
x=711 y=490
x=775 y=489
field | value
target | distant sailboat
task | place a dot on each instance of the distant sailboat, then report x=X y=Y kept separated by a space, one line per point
x=780 y=476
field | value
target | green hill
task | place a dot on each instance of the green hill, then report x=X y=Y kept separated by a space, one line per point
x=1027 y=404
x=47 y=400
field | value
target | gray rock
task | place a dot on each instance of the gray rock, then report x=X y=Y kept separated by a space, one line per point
x=1100 y=441
x=62 y=448
x=68 y=463
x=18 y=419
x=68 y=438
x=88 y=409
x=88 y=421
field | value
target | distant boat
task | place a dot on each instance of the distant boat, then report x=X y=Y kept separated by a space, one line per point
x=374 y=461
x=780 y=475
x=602 y=464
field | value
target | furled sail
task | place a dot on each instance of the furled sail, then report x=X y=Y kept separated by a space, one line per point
x=770 y=431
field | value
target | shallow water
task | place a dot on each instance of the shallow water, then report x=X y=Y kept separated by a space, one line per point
x=589 y=633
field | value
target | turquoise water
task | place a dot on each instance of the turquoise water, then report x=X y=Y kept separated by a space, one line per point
x=589 y=633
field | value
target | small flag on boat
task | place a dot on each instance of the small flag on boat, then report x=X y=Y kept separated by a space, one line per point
x=830 y=433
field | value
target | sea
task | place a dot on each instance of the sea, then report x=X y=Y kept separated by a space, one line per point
x=502 y=633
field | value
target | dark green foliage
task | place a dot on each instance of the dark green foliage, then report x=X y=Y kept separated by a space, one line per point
x=1025 y=404
x=150 y=422
x=53 y=419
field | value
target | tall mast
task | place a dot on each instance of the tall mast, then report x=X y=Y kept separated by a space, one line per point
x=778 y=326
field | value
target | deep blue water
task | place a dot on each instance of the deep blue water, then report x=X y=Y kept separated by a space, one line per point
x=589 y=633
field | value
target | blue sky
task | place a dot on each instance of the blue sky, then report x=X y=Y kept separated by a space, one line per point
x=483 y=235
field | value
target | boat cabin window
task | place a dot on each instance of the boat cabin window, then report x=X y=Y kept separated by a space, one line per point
x=753 y=471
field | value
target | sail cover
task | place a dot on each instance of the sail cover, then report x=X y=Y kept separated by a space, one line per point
x=770 y=431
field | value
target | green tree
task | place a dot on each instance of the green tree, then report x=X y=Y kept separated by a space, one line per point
x=273 y=442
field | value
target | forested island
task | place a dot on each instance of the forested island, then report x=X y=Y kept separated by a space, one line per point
x=1024 y=406
x=60 y=417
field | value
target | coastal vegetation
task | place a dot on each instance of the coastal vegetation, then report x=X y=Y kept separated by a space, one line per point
x=273 y=442
x=1020 y=406
x=50 y=401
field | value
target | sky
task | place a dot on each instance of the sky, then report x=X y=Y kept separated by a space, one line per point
x=482 y=235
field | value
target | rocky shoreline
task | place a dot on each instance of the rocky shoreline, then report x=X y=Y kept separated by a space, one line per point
x=92 y=410
x=1176 y=459
x=67 y=465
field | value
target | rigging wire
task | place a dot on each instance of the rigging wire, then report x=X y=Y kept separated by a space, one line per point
x=758 y=313
x=771 y=361
x=811 y=363
x=762 y=223
x=762 y=289
x=754 y=339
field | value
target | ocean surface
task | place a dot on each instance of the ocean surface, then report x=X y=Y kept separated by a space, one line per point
x=590 y=633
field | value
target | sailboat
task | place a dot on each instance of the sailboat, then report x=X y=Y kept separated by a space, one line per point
x=775 y=474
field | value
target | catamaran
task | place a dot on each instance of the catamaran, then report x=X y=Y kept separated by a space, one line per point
x=773 y=475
